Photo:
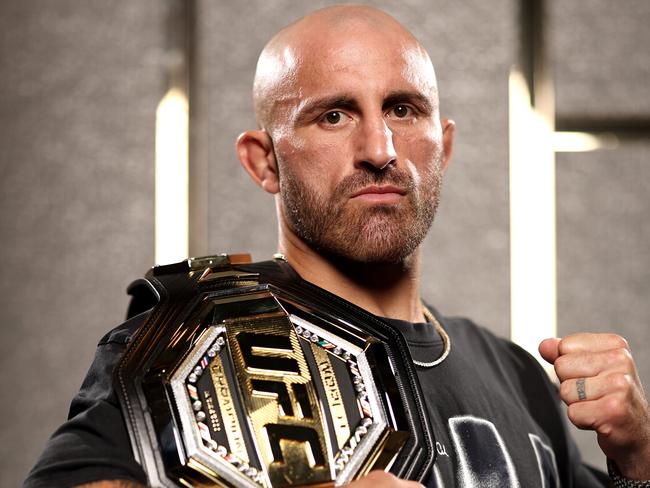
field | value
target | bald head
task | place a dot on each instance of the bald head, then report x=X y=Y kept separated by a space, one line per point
x=352 y=144
x=332 y=36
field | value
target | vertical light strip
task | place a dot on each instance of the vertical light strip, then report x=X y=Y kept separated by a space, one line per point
x=171 y=194
x=532 y=221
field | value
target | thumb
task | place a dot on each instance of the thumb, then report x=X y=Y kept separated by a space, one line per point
x=549 y=349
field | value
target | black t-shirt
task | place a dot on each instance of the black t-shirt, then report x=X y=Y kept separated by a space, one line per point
x=496 y=417
x=94 y=443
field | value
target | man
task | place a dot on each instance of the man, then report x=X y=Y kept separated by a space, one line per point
x=351 y=144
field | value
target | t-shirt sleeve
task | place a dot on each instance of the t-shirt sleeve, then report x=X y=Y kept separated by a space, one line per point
x=93 y=444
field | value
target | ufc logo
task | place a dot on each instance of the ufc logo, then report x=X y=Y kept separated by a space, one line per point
x=282 y=404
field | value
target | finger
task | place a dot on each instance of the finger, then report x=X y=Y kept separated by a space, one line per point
x=594 y=388
x=585 y=342
x=549 y=349
x=580 y=365
x=605 y=415
x=587 y=415
x=621 y=421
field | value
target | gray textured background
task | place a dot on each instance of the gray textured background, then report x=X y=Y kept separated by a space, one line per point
x=601 y=61
x=80 y=82
x=601 y=57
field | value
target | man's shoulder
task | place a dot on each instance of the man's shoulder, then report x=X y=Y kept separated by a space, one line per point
x=472 y=336
x=143 y=298
x=122 y=334
x=466 y=328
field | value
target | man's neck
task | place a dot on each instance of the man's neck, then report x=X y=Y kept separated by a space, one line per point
x=388 y=290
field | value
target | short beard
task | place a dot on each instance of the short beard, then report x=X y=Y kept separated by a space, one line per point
x=379 y=233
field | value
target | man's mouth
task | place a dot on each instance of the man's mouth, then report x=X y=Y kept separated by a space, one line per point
x=379 y=194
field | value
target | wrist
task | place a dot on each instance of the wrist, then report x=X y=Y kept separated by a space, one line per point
x=621 y=481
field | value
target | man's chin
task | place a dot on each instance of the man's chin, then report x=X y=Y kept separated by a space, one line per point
x=385 y=256
x=371 y=249
x=380 y=237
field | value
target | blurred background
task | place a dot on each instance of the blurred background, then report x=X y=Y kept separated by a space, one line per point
x=543 y=227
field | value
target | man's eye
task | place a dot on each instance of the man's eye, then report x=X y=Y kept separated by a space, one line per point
x=401 y=111
x=333 y=117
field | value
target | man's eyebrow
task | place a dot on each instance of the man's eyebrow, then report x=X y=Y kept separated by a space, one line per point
x=423 y=102
x=311 y=107
x=318 y=105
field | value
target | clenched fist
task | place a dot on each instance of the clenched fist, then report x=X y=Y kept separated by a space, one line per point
x=600 y=385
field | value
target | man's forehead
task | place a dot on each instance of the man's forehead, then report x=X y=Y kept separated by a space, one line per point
x=361 y=60
x=328 y=53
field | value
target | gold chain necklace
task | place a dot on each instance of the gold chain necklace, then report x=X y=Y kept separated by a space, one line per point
x=445 y=341
x=430 y=318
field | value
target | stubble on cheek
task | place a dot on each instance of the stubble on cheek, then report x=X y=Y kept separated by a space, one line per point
x=337 y=226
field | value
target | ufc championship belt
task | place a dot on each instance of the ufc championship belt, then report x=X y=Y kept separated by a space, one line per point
x=245 y=375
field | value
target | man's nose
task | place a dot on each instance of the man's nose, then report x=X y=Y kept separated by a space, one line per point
x=375 y=145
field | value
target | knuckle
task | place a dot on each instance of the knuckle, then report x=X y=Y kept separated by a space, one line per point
x=621 y=356
x=566 y=390
x=574 y=417
x=629 y=360
x=614 y=407
x=605 y=429
x=619 y=381
x=561 y=364
x=563 y=346
x=568 y=343
x=618 y=342
x=571 y=413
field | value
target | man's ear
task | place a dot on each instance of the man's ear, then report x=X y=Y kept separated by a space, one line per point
x=448 y=130
x=255 y=150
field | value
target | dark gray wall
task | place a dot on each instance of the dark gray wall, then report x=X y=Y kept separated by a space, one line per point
x=601 y=57
x=80 y=83
x=603 y=250
x=602 y=72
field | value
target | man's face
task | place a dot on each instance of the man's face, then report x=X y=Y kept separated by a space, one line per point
x=358 y=144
